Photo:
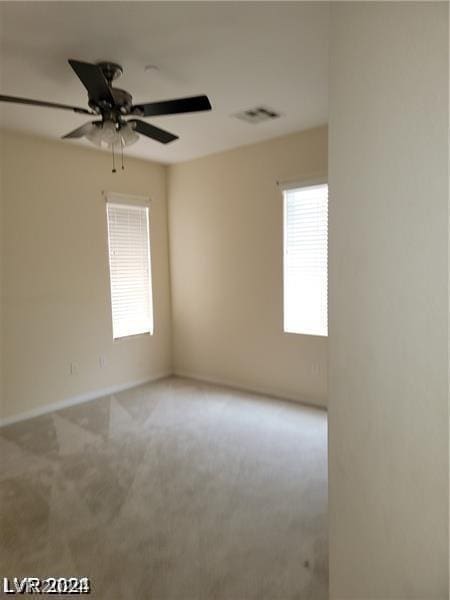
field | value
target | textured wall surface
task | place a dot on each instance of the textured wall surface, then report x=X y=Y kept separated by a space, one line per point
x=57 y=306
x=388 y=305
x=226 y=244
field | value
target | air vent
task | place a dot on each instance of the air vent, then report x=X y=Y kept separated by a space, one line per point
x=257 y=115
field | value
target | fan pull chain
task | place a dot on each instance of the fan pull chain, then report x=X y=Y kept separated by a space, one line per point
x=113 y=159
x=121 y=148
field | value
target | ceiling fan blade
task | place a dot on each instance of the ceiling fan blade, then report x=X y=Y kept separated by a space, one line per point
x=80 y=131
x=94 y=81
x=17 y=100
x=171 y=107
x=155 y=133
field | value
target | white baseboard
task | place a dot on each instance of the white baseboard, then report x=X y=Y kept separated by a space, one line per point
x=114 y=389
x=262 y=391
x=80 y=398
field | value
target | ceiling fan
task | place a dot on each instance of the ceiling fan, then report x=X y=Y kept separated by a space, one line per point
x=114 y=106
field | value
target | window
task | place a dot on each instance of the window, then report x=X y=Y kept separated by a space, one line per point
x=129 y=267
x=305 y=260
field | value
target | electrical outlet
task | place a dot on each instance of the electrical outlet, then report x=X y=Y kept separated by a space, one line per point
x=74 y=368
x=102 y=361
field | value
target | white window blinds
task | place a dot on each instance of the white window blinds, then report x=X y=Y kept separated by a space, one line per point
x=130 y=272
x=306 y=260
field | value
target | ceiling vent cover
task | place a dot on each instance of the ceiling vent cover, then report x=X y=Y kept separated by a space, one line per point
x=257 y=115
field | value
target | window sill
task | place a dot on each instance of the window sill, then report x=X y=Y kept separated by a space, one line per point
x=132 y=337
x=319 y=335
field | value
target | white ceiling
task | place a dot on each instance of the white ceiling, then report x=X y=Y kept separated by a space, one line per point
x=241 y=54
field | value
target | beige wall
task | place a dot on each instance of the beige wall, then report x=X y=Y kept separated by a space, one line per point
x=2 y=395
x=225 y=216
x=56 y=279
x=388 y=301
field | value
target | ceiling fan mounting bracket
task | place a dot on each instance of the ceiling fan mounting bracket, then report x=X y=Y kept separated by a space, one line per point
x=111 y=70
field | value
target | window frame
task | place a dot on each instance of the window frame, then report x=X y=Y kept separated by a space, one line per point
x=284 y=188
x=141 y=202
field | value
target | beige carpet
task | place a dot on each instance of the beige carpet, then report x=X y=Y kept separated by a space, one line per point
x=174 y=490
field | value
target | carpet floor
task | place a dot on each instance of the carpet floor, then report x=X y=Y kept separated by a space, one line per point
x=175 y=490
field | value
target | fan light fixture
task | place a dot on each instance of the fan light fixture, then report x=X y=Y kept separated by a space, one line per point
x=106 y=134
x=112 y=135
x=128 y=135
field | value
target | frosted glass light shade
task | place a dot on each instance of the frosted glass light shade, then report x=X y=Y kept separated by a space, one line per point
x=107 y=135
x=128 y=135
x=95 y=136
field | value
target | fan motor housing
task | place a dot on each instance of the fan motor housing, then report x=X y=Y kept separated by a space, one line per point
x=123 y=101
